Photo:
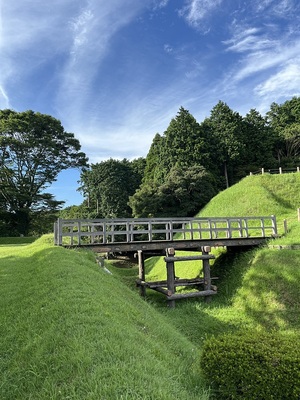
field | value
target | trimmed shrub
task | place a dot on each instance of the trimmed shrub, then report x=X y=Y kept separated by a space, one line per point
x=252 y=365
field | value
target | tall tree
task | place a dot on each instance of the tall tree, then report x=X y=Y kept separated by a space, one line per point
x=259 y=142
x=34 y=148
x=285 y=121
x=225 y=127
x=109 y=184
x=154 y=171
x=186 y=143
x=185 y=191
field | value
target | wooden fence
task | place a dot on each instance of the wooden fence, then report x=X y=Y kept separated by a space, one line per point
x=87 y=232
x=279 y=170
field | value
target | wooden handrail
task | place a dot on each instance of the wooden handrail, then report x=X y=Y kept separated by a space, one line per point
x=76 y=232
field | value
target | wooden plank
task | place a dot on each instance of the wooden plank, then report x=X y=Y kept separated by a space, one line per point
x=190 y=258
x=178 y=296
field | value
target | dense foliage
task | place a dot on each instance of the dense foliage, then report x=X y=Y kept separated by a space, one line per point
x=187 y=165
x=184 y=168
x=253 y=365
x=34 y=148
x=107 y=186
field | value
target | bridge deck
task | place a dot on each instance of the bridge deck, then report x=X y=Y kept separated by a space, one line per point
x=150 y=234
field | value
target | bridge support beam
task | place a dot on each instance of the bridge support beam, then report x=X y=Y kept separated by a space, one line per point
x=206 y=271
x=141 y=261
x=168 y=286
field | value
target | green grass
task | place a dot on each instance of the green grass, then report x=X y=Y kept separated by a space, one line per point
x=259 y=195
x=257 y=289
x=71 y=331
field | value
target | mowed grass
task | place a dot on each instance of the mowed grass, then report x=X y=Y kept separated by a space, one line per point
x=258 y=289
x=71 y=331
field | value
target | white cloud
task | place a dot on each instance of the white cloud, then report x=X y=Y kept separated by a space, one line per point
x=249 y=39
x=92 y=32
x=4 y=100
x=259 y=61
x=157 y=4
x=285 y=83
x=195 y=11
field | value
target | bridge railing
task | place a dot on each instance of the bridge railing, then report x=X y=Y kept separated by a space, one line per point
x=76 y=232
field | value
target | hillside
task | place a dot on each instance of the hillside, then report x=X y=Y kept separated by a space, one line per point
x=259 y=195
x=257 y=289
x=71 y=331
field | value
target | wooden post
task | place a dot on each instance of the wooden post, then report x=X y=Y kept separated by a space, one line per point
x=141 y=260
x=171 y=277
x=298 y=169
x=206 y=272
x=285 y=225
x=280 y=170
x=59 y=232
x=262 y=171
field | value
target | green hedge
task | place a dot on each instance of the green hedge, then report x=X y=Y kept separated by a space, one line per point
x=253 y=365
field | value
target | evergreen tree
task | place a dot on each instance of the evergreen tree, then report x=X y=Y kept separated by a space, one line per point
x=226 y=130
x=285 y=121
x=259 y=141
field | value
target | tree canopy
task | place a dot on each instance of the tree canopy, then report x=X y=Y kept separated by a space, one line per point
x=107 y=186
x=34 y=148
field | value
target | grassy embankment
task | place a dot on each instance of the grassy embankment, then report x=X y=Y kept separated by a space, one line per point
x=69 y=330
x=257 y=289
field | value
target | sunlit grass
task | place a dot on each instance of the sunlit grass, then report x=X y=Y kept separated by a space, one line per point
x=71 y=331
x=257 y=289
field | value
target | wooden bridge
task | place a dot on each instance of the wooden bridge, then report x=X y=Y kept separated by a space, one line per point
x=148 y=234
x=158 y=236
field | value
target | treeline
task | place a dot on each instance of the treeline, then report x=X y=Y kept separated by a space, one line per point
x=184 y=168
x=191 y=162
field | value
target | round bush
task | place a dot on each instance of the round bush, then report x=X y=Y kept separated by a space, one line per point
x=252 y=365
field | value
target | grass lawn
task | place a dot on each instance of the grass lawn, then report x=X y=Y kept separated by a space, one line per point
x=69 y=330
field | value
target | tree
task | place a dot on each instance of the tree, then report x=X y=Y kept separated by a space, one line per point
x=109 y=184
x=225 y=128
x=284 y=119
x=259 y=140
x=185 y=191
x=34 y=148
x=153 y=169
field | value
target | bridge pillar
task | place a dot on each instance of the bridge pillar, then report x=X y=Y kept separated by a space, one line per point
x=141 y=261
x=206 y=271
x=171 y=276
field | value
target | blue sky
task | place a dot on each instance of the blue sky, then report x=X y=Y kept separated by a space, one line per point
x=116 y=72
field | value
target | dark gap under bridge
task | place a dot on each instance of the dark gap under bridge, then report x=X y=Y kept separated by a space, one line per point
x=163 y=236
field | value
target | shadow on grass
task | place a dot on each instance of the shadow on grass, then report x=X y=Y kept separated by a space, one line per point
x=270 y=295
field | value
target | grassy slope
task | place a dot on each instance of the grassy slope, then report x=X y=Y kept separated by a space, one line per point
x=71 y=331
x=261 y=195
x=258 y=289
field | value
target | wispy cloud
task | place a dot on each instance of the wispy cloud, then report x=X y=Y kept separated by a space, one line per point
x=92 y=31
x=284 y=83
x=196 y=12
x=249 y=39
x=4 y=100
